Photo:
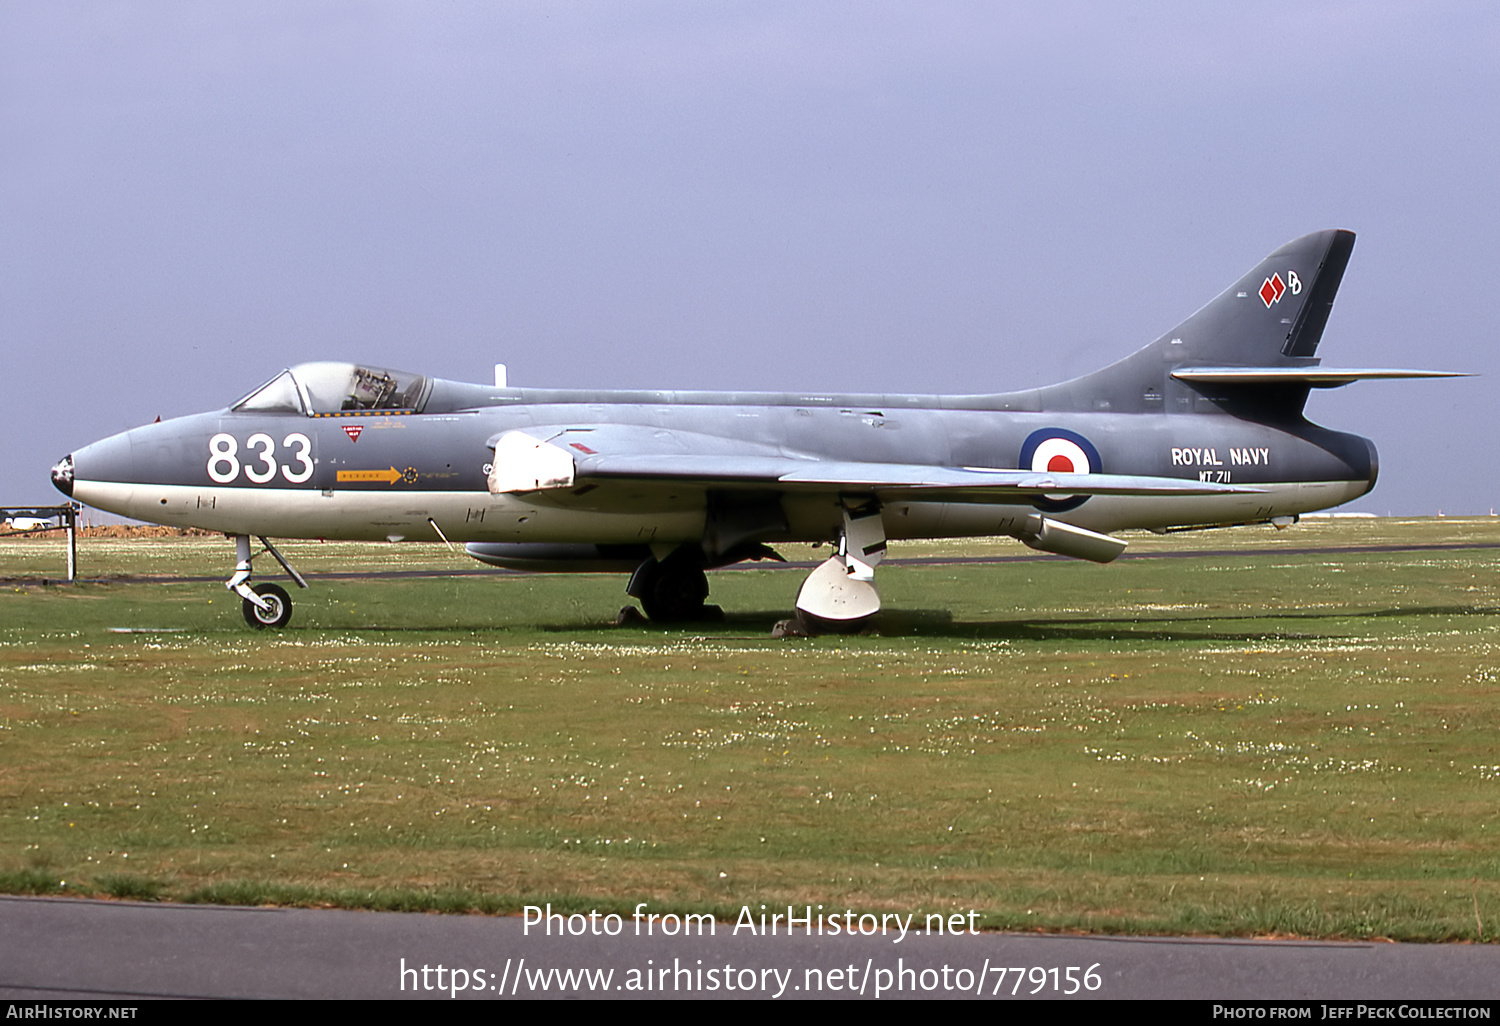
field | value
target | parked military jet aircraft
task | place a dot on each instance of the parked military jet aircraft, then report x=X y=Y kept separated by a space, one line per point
x=1202 y=427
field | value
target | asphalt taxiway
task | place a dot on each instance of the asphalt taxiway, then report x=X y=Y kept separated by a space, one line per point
x=56 y=949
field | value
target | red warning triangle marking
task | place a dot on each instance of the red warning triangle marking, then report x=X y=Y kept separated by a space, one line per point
x=353 y=431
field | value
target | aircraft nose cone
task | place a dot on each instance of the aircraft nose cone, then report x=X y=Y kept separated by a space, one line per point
x=62 y=475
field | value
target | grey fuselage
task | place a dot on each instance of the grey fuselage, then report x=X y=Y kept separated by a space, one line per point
x=384 y=475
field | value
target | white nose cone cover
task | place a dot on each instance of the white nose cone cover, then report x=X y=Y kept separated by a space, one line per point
x=526 y=464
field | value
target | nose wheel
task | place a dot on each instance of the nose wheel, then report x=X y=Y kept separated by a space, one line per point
x=275 y=609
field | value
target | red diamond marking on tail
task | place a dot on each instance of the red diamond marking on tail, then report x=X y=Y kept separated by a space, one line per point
x=1276 y=284
x=1268 y=293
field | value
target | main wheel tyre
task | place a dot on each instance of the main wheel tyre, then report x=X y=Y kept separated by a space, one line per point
x=278 y=611
x=675 y=594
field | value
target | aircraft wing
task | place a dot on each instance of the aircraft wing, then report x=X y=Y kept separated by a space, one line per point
x=578 y=457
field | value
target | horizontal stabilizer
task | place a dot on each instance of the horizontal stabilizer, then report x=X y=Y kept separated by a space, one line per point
x=1314 y=377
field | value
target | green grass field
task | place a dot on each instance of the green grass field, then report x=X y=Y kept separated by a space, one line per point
x=1260 y=742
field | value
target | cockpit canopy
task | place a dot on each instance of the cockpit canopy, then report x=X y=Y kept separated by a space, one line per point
x=331 y=387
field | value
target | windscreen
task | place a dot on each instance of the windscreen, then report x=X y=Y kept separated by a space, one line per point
x=278 y=395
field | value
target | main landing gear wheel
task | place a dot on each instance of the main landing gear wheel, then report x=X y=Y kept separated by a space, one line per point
x=676 y=595
x=672 y=591
x=278 y=611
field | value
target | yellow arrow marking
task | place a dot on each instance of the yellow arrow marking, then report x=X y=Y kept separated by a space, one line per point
x=390 y=476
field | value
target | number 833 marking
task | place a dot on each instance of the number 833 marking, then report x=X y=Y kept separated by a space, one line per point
x=224 y=461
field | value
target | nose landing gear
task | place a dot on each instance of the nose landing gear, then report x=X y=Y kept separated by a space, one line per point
x=265 y=605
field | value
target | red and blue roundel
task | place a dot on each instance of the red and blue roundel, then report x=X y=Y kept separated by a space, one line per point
x=1059 y=451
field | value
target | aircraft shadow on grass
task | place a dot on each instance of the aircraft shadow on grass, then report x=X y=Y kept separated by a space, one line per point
x=939 y=623
x=1219 y=628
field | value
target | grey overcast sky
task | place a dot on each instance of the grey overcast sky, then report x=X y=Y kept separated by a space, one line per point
x=861 y=196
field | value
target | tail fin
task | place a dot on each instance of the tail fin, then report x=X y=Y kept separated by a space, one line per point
x=1275 y=314
x=1272 y=317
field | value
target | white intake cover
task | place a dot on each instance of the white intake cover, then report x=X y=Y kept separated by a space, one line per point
x=526 y=464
